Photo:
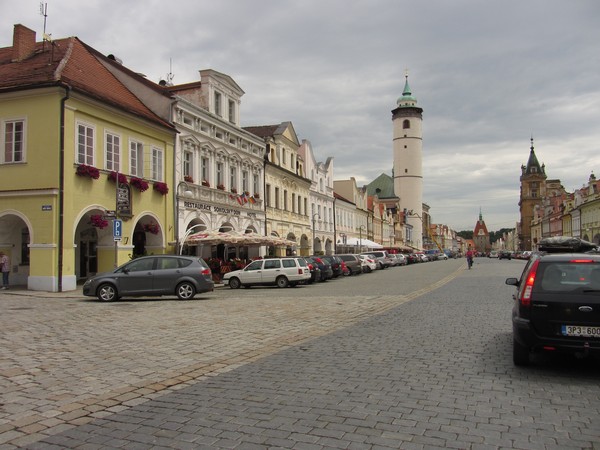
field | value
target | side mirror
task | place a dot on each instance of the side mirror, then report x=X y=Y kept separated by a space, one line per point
x=512 y=281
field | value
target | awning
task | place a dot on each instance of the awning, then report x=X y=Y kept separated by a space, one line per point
x=365 y=243
x=234 y=238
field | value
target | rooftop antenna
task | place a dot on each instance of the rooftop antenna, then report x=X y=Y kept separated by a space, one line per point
x=170 y=75
x=44 y=12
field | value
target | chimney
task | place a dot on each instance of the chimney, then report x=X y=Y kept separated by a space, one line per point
x=23 y=42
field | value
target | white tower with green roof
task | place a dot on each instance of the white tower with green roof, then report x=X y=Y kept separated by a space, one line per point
x=407 y=119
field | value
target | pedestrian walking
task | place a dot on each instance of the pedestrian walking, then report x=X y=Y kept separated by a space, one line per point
x=470 y=256
x=5 y=267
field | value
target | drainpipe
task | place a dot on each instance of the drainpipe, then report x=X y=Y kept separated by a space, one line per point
x=61 y=187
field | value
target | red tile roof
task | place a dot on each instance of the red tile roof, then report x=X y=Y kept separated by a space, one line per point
x=69 y=62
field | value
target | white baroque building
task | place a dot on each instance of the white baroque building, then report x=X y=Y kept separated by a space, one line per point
x=219 y=166
x=321 y=199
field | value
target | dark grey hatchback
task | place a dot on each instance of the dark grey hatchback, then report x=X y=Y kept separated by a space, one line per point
x=557 y=301
x=183 y=276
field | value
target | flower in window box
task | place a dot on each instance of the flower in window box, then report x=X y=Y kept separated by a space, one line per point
x=139 y=184
x=188 y=178
x=151 y=227
x=96 y=220
x=161 y=187
x=112 y=176
x=221 y=187
x=205 y=183
x=234 y=190
x=256 y=195
x=247 y=193
x=84 y=170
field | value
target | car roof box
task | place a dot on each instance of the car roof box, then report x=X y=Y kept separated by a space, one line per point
x=565 y=244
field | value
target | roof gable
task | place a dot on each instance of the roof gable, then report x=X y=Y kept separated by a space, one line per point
x=70 y=63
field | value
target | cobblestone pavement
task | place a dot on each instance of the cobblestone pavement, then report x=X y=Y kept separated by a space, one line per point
x=304 y=369
x=66 y=359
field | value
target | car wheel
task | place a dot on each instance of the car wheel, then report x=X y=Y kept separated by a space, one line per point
x=234 y=283
x=186 y=291
x=107 y=293
x=520 y=354
x=282 y=282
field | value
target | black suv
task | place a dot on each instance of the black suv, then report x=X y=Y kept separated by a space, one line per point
x=505 y=254
x=557 y=300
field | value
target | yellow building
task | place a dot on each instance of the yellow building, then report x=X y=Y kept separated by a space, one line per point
x=69 y=127
x=287 y=190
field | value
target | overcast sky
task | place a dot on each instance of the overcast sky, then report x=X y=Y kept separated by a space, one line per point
x=489 y=75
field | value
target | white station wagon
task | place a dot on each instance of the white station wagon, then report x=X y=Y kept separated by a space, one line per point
x=282 y=272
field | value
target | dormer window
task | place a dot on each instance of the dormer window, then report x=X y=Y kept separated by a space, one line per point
x=218 y=103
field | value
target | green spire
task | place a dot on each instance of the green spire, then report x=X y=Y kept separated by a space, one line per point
x=407 y=99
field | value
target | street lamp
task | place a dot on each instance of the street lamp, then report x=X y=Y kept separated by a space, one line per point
x=188 y=194
x=343 y=236
x=313 y=230
x=360 y=237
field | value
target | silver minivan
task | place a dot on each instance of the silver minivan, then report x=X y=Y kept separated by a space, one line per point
x=281 y=272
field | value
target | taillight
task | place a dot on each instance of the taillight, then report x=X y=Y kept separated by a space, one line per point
x=300 y=270
x=528 y=288
x=206 y=272
x=582 y=261
x=310 y=266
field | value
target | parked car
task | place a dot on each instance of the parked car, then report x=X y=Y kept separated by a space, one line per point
x=183 y=276
x=382 y=257
x=412 y=258
x=336 y=264
x=493 y=254
x=401 y=259
x=352 y=263
x=505 y=254
x=315 y=273
x=368 y=263
x=557 y=301
x=442 y=257
x=323 y=265
x=282 y=272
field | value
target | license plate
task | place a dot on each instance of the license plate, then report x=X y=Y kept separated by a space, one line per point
x=581 y=330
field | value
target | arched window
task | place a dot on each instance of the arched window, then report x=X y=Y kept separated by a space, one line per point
x=406 y=124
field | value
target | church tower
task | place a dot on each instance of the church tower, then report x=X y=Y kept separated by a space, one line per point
x=407 y=121
x=481 y=236
x=533 y=190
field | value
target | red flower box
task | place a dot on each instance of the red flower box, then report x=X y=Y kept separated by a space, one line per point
x=161 y=187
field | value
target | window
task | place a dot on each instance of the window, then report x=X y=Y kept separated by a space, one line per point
x=277 y=198
x=245 y=181
x=113 y=149
x=157 y=164
x=219 y=173
x=285 y=199
x=188 y=164
x=406 y=124
x=14 y=141
x=268 y=195
x=217 y=103
x=283 y=161
x=299 y=205
x=231 y=111
x=293 y=202
x=85 y=145
x=136 y=158
x=255 y=183
x=272 y=264
x=204 y=168
x=232 y=178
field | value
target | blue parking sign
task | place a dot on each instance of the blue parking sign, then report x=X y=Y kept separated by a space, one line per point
x=117 y=229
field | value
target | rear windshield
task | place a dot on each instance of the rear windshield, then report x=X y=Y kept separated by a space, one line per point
x=302 y=262
x=568 y=276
